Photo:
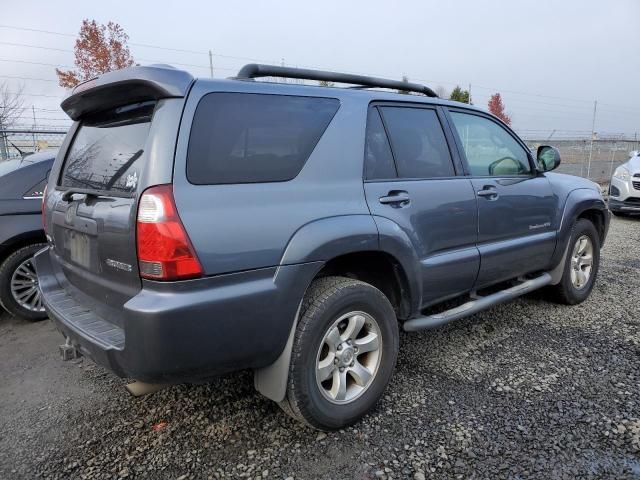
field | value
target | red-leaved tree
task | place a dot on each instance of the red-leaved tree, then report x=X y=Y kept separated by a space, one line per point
x=497 y=108
x=99 y=49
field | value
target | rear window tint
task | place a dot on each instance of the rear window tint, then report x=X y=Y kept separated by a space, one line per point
x=418 y=142
x=106 y=153
x=248 y=138
x=378 y=158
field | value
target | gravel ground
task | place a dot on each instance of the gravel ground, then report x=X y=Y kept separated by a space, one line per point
x=525 y=390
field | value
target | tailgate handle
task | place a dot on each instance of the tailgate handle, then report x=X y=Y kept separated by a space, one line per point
x=68 y=194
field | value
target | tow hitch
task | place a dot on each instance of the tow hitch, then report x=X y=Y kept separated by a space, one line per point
x=68 y=351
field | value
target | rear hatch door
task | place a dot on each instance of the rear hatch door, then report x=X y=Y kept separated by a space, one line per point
x=93 y=219
x=112 y=155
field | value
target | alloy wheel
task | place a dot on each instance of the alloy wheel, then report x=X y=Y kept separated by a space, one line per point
x=24 y=287
x=581 y=262
x=349 y=357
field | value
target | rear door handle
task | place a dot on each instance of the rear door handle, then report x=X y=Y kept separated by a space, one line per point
x=488 y=192
x=396 y=198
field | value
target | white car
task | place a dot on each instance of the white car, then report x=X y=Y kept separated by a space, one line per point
x=624 y=189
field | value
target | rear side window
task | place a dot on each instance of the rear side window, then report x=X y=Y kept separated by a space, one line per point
x=378 y=158
x=106 y=151
x=418 y=142
x=249 y=138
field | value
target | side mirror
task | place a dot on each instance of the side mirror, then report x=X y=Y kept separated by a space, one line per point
x=634 y=153
x=548 y=158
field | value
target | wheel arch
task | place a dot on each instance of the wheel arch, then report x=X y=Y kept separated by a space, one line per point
x=21 y=240
x=348 y=246
x=580 y=203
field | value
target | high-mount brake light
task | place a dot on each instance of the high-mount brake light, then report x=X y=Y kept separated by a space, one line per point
x=164 y=249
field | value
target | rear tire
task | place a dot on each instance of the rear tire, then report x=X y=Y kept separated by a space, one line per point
x=581 y=265
x=347 y=335
x=17 y=281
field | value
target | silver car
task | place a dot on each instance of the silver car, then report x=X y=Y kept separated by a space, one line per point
x=624 y=190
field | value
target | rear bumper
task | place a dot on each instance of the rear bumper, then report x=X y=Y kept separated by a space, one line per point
x=182 y=331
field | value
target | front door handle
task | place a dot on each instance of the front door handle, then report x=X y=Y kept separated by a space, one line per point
x=396 y=198
x=488 y=192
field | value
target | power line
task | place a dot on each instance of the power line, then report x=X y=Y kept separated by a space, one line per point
x=34 y=94
x=35 y=63
x=556 y=111
x=28 y=78
x=71 y=51
x=12 y=44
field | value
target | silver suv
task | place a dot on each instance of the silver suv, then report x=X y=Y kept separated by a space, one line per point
x=624 y=190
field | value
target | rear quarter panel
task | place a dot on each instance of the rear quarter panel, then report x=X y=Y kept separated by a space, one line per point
x=247 y=226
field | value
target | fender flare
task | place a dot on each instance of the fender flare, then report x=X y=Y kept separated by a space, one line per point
x=323 y=240
x=578 y=201
x=330 y=237
x=395 y=241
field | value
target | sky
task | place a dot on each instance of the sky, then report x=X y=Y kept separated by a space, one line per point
x=550 y=60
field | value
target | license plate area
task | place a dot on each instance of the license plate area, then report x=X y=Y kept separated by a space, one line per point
x=78 y=248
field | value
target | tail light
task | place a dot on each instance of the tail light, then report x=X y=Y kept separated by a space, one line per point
x=164 y=249
x=44 y=200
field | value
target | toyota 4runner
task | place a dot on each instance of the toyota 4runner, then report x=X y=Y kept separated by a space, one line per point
x=197 y=227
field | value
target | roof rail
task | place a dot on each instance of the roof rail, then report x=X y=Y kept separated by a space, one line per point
x=255 y=70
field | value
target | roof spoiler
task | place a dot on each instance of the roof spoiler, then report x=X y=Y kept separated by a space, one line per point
x=129 y=85
x=255 y=70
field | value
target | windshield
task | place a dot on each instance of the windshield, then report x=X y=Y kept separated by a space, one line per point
x=106 y=152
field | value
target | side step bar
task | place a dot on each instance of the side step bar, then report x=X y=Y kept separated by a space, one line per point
x=477 y=305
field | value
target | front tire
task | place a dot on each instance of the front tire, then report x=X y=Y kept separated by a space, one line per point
x=344 y=352
x=581 y=265
x=19 y=292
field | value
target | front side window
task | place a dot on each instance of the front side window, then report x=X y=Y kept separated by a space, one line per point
x=249 y=138
x=418 y=142
x=489 y=148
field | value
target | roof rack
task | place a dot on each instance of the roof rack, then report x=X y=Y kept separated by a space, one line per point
x=255 y=70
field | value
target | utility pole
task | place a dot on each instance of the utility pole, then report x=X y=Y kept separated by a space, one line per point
x=593 y=134
x=33 y=109
x=613 y=155
x=469 y=99
x=4 y=155
x=211 y=63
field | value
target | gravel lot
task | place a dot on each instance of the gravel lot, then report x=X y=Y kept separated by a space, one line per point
x=525 y=390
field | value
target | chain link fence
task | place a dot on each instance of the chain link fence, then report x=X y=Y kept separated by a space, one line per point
x=18 y=142
x=595 y=160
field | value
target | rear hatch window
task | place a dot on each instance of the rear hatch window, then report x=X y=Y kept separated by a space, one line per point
x=106 y=153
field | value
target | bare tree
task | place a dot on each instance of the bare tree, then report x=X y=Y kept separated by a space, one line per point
x=11 y=108
x=11 y=105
